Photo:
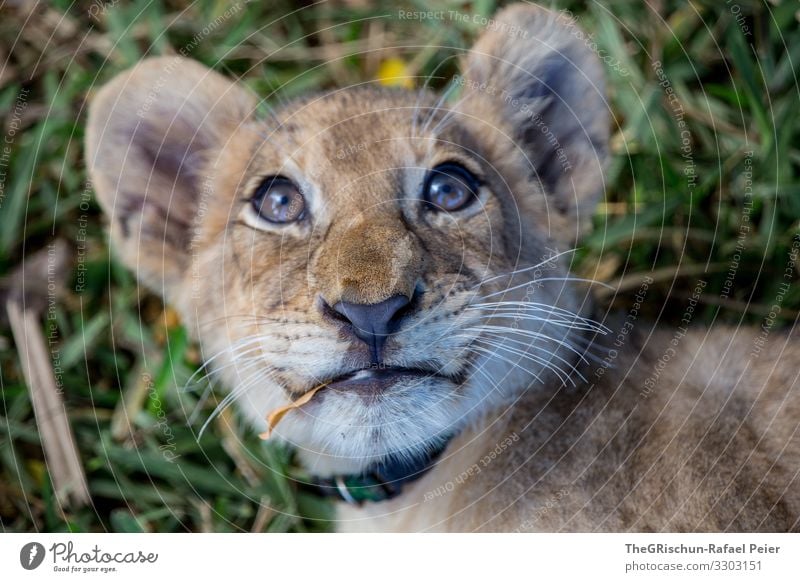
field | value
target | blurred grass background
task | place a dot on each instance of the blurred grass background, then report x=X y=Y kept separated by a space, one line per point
x=124 y=359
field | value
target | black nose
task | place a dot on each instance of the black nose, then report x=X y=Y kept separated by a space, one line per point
x=373 y=323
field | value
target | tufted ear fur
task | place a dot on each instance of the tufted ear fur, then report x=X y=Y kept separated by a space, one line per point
x=533 y=71
x=149 y=134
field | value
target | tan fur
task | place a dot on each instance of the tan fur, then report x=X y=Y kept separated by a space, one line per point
x=175 y=150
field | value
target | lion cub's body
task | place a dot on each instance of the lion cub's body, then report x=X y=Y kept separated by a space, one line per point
x=715 y=446
x=490 y=344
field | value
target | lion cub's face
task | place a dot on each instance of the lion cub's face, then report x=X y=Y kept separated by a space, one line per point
x=401 y=250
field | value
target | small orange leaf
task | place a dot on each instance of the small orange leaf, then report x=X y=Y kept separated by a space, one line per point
x=274 y=417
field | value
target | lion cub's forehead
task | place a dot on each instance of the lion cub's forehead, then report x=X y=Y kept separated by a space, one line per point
x=357 y=132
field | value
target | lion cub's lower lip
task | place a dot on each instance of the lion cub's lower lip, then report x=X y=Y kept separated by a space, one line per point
x=375 y=382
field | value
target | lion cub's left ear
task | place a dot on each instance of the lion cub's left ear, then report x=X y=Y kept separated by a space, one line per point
x=533 y=74
x=151 y=131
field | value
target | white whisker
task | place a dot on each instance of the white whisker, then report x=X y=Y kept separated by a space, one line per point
x=525 y=269
x=548 y=364
x=499 y=344
x=540 y=336
x=537 y=281
x=494 y=354
x=235 y=394
x=559 y=322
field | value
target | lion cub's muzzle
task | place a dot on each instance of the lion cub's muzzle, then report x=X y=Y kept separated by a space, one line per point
x=368 y=279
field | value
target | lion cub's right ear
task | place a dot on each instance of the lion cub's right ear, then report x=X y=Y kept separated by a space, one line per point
x=533 y=72
x=151 y=130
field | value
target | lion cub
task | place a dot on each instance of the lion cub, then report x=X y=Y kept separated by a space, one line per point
x=410 y=252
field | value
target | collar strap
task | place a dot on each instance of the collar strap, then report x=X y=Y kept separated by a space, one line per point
x=379 y=482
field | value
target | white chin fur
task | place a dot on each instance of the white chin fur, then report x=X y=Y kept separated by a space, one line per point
x=343 y=433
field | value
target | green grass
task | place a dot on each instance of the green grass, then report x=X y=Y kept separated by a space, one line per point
x=739 y=98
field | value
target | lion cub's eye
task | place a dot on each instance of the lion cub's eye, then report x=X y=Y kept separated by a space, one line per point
x=278 y=200
x=450 y=187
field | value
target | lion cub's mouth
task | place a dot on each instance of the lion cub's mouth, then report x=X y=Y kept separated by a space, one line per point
x=373 y=382
x=368 y=383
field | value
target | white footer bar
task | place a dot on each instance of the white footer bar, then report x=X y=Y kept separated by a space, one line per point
x=386 y=558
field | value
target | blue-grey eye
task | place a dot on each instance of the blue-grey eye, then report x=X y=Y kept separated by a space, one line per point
x=278 y=200
x=450 y=187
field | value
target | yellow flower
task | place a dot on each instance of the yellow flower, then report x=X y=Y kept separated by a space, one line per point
x=394 y=73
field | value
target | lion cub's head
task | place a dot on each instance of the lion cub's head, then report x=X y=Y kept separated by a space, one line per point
x=402 y=247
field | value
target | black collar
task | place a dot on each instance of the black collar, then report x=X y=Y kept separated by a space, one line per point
x=380 y=481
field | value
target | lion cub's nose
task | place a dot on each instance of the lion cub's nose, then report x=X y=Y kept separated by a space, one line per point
x=372 y=323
